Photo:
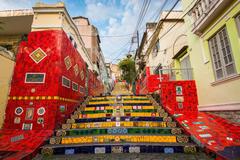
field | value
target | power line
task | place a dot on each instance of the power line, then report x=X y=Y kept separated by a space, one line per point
x=181 y=17
x=120 y=50
x=107 y=36
x=161 y=22
x=141 y=16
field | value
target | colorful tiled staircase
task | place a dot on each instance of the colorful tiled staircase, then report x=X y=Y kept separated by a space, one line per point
x=119 y=124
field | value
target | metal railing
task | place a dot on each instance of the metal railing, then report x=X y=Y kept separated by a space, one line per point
x=176 y=74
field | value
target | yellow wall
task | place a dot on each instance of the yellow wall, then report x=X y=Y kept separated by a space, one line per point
x=212 y=94
x=6 y=72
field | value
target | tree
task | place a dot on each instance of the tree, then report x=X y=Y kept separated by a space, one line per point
x=127 y=66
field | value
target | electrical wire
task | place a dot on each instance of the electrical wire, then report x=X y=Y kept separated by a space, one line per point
x=141 y=16
x=123 y=48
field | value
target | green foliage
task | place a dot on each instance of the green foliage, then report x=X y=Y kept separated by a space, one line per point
x=127 y=65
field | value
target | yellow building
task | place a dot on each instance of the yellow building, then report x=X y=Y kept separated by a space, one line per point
x=6 y=64
x=214 y=44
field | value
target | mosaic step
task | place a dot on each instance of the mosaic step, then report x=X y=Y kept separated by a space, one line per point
x=110 y=119
x=118 y=124
x=120 y=139
x=117 y=130
x=126 y=118
x=167 y=148
x=123 y=97
x=123 y=110
x=136 y=114
x=113 y=102
x=115 y=107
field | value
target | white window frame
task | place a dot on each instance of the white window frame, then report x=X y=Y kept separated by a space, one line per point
x=64 y=84
x=237 y=20
x=222 y=62
x=27 y=73
x=74 y=83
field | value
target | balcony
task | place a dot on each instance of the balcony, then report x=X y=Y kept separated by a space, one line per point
x=205 y=12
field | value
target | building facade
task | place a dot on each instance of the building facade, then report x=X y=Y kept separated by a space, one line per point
x=44 y=17
x=91 y=39
x=164 y=47
x=213 y=37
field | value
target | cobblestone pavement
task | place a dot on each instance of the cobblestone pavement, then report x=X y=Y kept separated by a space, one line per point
x=128 y=156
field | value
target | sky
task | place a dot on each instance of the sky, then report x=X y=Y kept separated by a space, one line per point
x=115 y=19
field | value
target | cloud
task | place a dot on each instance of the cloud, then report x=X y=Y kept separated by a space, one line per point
x=123 y=24
x=98 y=11
x=111 y=17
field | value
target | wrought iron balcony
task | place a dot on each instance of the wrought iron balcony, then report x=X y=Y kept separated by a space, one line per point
x=204 y=12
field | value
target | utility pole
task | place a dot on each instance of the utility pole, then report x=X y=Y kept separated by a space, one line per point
x=137 y=38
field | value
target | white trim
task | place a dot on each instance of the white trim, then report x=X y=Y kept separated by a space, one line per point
x=30 y=55
x=204 y=57
x=72 y=86
x=35 y=73
x=220 y=107
x=64 y=84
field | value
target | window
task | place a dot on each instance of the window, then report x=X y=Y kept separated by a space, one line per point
x=71 y=38
x=221 y=53
x=75 y=45
x=35 y=78
x=156 y=48
x=186 y=68
x=65 y=82
x=238 y=23
x=75 y=86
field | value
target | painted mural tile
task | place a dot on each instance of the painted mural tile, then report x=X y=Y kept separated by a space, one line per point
x=29 y=113
x=197 y=122
x=67 y=62
x=205 y=135
x=76 y=69
x=204 y=127
x=81 y=75
x=38 y=55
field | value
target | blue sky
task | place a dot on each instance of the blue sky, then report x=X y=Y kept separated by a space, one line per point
x=111 y=17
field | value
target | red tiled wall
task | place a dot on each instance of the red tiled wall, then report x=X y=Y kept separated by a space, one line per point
x=57 y=46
